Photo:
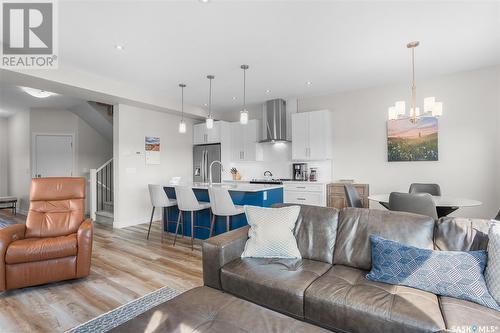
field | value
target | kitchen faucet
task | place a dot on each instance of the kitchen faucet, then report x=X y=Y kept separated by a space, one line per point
x=210 y=171
x=268 y=173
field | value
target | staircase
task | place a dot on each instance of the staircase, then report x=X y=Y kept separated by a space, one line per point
x=98 y=115
x=101 y=192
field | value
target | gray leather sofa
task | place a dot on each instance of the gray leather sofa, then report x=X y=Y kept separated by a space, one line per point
x=328 y=288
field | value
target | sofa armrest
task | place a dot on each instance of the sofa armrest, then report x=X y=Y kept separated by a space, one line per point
x=84 y=243
x=220 y=250
x=8 y=235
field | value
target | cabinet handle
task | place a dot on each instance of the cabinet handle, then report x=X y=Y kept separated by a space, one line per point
x=243 y=154
x=301 y=199
x=300 y=187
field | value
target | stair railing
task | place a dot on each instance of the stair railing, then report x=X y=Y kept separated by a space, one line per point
x=101 y=187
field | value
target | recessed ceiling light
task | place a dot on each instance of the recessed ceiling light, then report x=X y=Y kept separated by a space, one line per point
x=268 y=91
x=309 y=83
x=204 y=1
x=235 y=98
x=119 y=47
x=37 y=92
x=205 y=104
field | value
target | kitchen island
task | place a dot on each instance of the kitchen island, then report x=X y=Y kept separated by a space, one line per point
x=262 y=195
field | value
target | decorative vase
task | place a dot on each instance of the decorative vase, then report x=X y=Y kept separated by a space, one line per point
x=236 y=176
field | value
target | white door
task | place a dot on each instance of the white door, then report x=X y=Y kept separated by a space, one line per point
x=53 y=156
x=318 y=123
x=237 y=141
x=300 y=130
x=199 y=134
x=250 y=140
x=214 y=133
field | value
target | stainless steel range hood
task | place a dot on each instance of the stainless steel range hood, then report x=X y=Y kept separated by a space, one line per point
x=274 y=121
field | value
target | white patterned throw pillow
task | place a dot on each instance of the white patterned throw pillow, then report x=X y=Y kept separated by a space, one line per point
x=271 y=232
x=492 y=274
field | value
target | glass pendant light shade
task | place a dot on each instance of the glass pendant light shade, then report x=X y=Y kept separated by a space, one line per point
x=244 y=117
x=210 y=122
x=392 y=113
x=437 y=111
x=182 y=127
x=182 y=124
x=244 y=112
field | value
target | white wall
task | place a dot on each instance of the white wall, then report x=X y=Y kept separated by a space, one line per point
x=131 y=174
x=19 y=158
x=3 y=156
x=468 y=138
x=91 y=148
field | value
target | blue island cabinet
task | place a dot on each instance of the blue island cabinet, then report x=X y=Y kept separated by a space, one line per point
x=262 y=198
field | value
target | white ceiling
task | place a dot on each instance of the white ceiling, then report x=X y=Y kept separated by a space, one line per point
x=337 y=45
x=13 y=99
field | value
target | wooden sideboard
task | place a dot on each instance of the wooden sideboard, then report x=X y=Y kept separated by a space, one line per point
x=336 y=194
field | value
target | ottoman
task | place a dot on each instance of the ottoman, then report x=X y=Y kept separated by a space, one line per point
x=204 y=309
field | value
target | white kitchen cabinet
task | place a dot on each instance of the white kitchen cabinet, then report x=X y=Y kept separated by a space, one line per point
x=312 y=135
x=203 y=135
x=300 y=132
x=305 y=193
x=244 y=142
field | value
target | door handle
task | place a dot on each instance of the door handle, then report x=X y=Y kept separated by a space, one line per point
x=202 y=167
x=206 y=166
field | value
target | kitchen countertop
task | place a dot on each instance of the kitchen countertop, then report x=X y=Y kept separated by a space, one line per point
x=236 y=187
x=230 y=181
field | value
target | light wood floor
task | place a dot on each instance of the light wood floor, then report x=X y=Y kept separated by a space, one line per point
x=125 y=266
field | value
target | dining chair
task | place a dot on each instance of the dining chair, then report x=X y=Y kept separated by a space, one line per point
x=418 y=203
x=160 y=199
x=222 y=205
x=432 y=189
x=352 y=196
x=187 y=202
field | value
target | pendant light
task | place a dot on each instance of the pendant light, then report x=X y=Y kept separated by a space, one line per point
x=244 y=112
x=182 y=124
x=431 y=107
x=210 y=121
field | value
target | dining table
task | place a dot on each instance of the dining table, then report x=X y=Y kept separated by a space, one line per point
x=445 y=205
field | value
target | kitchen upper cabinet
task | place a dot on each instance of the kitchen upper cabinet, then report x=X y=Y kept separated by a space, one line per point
x=300 y=141
x=203 y=135
x=244 y=142
x=312 y=135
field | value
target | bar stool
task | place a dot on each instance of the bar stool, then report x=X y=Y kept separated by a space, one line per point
x=222 y=205
x=187 y=202
x=160 y=199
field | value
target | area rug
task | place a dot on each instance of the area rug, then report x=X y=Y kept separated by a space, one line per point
x=132 y=309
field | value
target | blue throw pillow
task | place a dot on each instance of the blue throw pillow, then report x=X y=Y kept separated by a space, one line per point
x=447 y=273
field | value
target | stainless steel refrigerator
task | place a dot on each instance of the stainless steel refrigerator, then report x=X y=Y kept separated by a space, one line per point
x=203 y=155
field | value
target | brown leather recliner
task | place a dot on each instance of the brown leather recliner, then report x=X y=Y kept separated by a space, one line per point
x=56 y=242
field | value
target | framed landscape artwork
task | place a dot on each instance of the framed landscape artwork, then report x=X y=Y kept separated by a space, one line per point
x=408 y=141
